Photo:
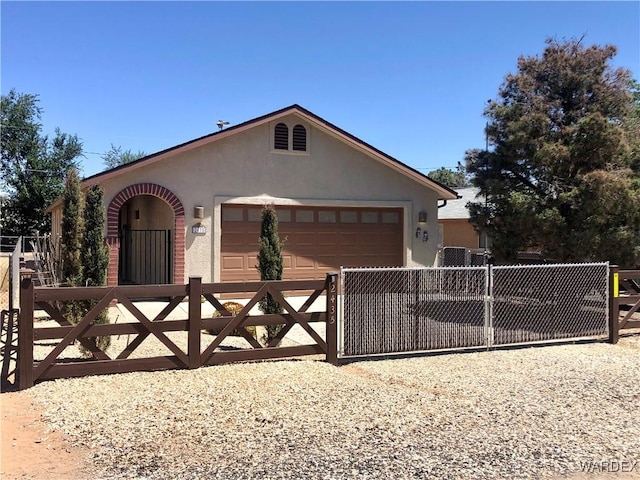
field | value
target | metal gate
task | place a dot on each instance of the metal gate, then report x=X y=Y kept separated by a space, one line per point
x=549 y=302
x=145 y=257
x=400 y=310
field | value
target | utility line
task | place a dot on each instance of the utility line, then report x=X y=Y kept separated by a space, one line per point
x=104 y=153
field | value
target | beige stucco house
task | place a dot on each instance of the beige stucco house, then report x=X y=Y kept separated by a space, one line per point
x=194 y=209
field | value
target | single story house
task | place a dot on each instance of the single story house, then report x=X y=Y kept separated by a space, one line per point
x=194 y=209
x=454 y=229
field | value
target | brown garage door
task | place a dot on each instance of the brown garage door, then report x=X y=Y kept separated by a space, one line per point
x=316 y=240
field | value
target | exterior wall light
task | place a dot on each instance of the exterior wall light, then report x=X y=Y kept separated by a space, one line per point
x=198 y=212
x=422 y=217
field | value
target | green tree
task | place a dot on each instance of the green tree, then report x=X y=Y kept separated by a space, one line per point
x=33 y=166
x=633 y=128
x=116 y=156
x=270 y=263
x=95 y=253
x=451 y=178
x=72 y=231
x=71 y=243
x=558 y=175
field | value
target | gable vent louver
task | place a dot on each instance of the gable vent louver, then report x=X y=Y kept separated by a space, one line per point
x=299 y=138
x=281 y=137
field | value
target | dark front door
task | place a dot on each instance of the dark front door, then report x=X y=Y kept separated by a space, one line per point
x=145 y=257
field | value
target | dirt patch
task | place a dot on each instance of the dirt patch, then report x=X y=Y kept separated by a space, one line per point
x=29 y=451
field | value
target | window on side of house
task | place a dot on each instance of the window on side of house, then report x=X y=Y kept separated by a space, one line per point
x=281 y=137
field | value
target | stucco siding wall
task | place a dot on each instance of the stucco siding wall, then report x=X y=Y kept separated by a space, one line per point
x=154 y=214
x=244 y=167
x=459 y=233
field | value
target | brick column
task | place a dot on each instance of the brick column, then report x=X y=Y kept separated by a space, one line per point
x=114 y=258
x=179 y=245
x=179 y=249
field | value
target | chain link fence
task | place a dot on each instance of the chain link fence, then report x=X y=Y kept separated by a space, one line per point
x=533 y=303
x=401 y=310
x=10 y=278
x=405 y=310
x=5 y=280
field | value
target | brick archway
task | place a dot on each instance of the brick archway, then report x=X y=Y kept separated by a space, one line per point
x=113 y=238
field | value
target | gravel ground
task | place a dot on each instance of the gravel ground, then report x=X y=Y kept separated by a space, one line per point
x=525 y=413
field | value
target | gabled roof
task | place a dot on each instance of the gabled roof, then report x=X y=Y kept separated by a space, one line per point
x=444 y=192
x=457 y=209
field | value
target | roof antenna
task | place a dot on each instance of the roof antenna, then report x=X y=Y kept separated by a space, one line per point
x=221 y=124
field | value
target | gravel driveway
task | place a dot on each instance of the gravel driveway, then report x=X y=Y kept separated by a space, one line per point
x=523 y=413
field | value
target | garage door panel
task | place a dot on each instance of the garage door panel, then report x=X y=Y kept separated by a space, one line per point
x=234 y=238
x=381 y=240
x=385 y=249
x=311 y=249
x=301 y=276
x=326 y=261
x=304 y=262
x=348 y=238
x=388 y=261
x=373 y=259
x=302 y=239
x=369 y=239
x=233 y=263
x=349 y=261
x=328 y=238
x=388 y=237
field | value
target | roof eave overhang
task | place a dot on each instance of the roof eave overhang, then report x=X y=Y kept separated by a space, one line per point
x=442 y=191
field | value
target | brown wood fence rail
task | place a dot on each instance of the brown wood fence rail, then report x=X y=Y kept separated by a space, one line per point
x=100 y=363
x=625 y=290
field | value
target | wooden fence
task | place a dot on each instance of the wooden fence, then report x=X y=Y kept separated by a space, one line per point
x=625 y=291
x=85 y=331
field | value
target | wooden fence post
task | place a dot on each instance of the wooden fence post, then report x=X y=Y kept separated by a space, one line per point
x=25 y=335
x=614 y=304
x=332 y=318
x=195 y=322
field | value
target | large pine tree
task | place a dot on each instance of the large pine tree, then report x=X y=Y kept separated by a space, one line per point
x=559 y=175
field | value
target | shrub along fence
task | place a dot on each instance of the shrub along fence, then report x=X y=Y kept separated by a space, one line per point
x=85 y=331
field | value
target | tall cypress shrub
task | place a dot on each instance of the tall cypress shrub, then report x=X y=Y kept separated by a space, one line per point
x=95 y=254
x=270 y=263
x=71 y=241
x=72 y=230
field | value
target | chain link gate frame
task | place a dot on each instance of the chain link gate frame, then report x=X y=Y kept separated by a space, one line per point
x=387 y=311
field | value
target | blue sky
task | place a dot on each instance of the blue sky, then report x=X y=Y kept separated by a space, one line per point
x=410 y=78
